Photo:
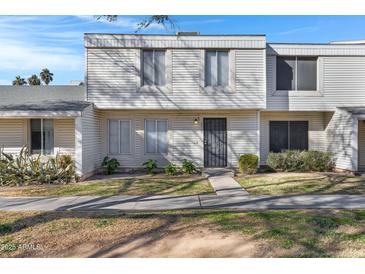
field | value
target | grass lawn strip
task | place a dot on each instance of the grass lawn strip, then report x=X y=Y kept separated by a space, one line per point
x=290 y=233
x=302 y=183
x=146 y=185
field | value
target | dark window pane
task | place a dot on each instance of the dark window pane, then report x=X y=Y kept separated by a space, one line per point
x=36 y=135
x=285 y=72
x=159 y=65
x=148 y=67
x=48 y=136
x=307 y=73
x=211 y=68
x=278 y=136
x=223 y=68
x=298 y=135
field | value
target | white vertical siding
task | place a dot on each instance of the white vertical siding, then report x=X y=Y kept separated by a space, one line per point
x=64 y=136
x=113 y=79
x=186 y=72
x=339 y=138
x=243 y=135
x=13 y=134
x=316 y=131
x=341 y=82
x=185 y=138
x=91 y=141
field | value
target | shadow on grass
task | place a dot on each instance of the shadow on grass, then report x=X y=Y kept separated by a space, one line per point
x=305 y=233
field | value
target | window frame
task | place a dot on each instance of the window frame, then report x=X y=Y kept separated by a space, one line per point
x=288 y=132
x=42 y=141
x=119 y=140
x=153 y=62
x=295 y=74
x=156 y=120
x=217 y=68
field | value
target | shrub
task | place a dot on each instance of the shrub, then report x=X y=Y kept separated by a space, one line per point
x=294 y=160
x=150 y=166
x=110 y=165
x=248 y=163
x=25 y=169
x=171 y=169
x=188 y=167
x=318 y=161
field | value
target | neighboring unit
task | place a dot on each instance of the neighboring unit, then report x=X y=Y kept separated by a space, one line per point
x=208 y=99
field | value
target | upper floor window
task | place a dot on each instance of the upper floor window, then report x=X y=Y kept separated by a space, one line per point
x=296 y=73
x=216 y=68
x=154 y=68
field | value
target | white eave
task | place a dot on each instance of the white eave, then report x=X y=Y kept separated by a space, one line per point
x=173 y=41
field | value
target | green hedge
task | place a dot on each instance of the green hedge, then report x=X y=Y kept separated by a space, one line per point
x=294 y=160
x=248 y=163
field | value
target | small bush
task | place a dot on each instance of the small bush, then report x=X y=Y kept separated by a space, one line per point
x=294 y=160
x=110 y=165
x=26 y=169
x=150 y=166
x=171 y=169
x=248 y=163
x=188 y=167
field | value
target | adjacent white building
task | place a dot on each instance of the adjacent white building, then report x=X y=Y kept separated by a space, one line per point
x=208 y=99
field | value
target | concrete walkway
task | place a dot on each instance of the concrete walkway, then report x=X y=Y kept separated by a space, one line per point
x=132 y=203
x=223 y=183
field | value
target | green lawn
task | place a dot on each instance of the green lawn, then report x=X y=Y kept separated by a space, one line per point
x=277 y=233
x=302 y=183
x=143 y=185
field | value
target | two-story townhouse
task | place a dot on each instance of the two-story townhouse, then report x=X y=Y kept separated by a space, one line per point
x=205 y=98
x=175 y=97
x=316 y=100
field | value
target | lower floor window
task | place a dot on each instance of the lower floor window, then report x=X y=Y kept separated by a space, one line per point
x=286 y=135
x=119 y=136
x=41 y=136
x=155 y=136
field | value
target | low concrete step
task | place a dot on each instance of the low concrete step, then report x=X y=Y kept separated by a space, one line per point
x=209 y=172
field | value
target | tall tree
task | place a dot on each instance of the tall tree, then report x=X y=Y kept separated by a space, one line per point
x=46 y=76
x=19 y=81
x=164 y=20
x=34 y=80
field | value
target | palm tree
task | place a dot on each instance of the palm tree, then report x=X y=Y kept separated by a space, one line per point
x=46 y=76
x=34 y=80
x=19 y=81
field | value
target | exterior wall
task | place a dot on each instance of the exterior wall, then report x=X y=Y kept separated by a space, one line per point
x=64 y=136
x=114 y=82
x=339 y=135
x=88 y=142
x=340 y=83
x=317 y=129
x=13 y=134
x=185 y=139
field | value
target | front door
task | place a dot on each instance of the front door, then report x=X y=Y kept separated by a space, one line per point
x=215 y=142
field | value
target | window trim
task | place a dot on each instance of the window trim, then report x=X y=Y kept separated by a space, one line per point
x=42 y=141
x=145 y=136
x=297 y=92
x=119 y=140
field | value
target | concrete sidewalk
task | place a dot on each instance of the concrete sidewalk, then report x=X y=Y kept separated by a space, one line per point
x=143 y=203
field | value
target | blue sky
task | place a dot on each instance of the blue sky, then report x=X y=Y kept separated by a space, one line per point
x=30 y=43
